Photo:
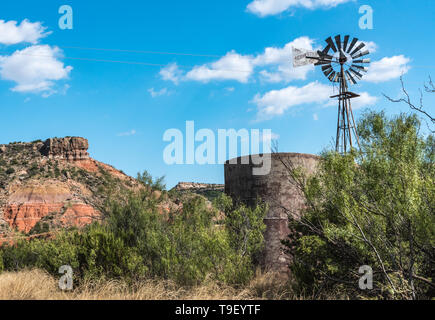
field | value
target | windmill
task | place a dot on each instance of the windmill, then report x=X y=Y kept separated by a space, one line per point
x=343 y=65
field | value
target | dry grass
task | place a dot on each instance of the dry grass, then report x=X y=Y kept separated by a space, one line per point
x=37 y=284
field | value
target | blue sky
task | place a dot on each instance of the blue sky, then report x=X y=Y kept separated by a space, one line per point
x=238 y=76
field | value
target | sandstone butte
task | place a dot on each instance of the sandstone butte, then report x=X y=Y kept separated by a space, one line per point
x=45 y=186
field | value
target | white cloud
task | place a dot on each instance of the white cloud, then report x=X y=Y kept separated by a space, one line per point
x=364 y=100
x=232 y=66
x=159 y=93
x=273 y=55
x=370 y=45
x=28 y=32
x=64 y=89
x=275 y=64
x=286 y=73
x=128 y=133
x=263 y=8
x=276 y=102
x=315 y=117
x=280 y=60
x=171 y=73
x=387 y=68
x=34 y=69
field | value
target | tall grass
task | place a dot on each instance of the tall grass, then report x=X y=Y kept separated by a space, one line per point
x=39 y=285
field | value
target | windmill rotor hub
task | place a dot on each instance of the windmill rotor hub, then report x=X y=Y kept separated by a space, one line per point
x=342 y=59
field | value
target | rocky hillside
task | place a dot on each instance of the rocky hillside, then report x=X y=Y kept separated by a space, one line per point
x=53 y=184
x=208 y=190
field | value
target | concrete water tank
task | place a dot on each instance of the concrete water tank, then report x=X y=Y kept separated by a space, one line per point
x=277 y=189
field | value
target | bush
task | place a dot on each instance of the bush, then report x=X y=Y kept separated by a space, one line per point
x=156 y=184
x=370 y=207
x=40 y=227
x=138 y=241
x=10 y=171
x=244 y=225
x=93 y=253
x=187 y=246
x=33 y=170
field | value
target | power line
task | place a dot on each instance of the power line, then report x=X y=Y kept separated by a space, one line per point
x=141 y=51
x=123 y=62
x=147 y=63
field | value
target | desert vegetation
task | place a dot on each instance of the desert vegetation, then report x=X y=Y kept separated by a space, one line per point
x=371 y=207
x=136 y=241
x=40 y=285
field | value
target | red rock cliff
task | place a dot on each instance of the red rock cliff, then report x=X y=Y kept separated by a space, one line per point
x=69 y=148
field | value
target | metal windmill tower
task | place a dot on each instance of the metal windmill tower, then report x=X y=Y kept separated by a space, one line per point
x=341 y=66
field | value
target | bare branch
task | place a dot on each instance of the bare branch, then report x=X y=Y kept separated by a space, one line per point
x=430 y=87
x=407 y=100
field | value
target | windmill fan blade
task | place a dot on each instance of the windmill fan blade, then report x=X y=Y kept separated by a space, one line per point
x=361 y=54
x=338 y=42
x=346 y=40
x=322 y=62
x=337 y=78
x=358 y=48
x=324 y=51
x=332 y=75
x=327 y=72
x=325 y=55
x=352 y=44
x=331 y=44
x=352 y=79
x=356 y=73
x=362 y=61
x=359 y=67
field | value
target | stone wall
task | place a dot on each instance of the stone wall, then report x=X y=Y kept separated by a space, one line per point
x=278 y=191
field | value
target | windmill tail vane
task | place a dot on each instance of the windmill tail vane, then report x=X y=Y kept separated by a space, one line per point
x=343 y=62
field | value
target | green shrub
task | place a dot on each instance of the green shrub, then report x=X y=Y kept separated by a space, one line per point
x=94 y=253
x=244 y=225
x=370 y=207
x=40 y=227
x=10 y=171
x=138 y=240
x=33 y=170
x=156 y=184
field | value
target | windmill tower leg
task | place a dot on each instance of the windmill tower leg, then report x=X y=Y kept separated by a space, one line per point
x=345 y=122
